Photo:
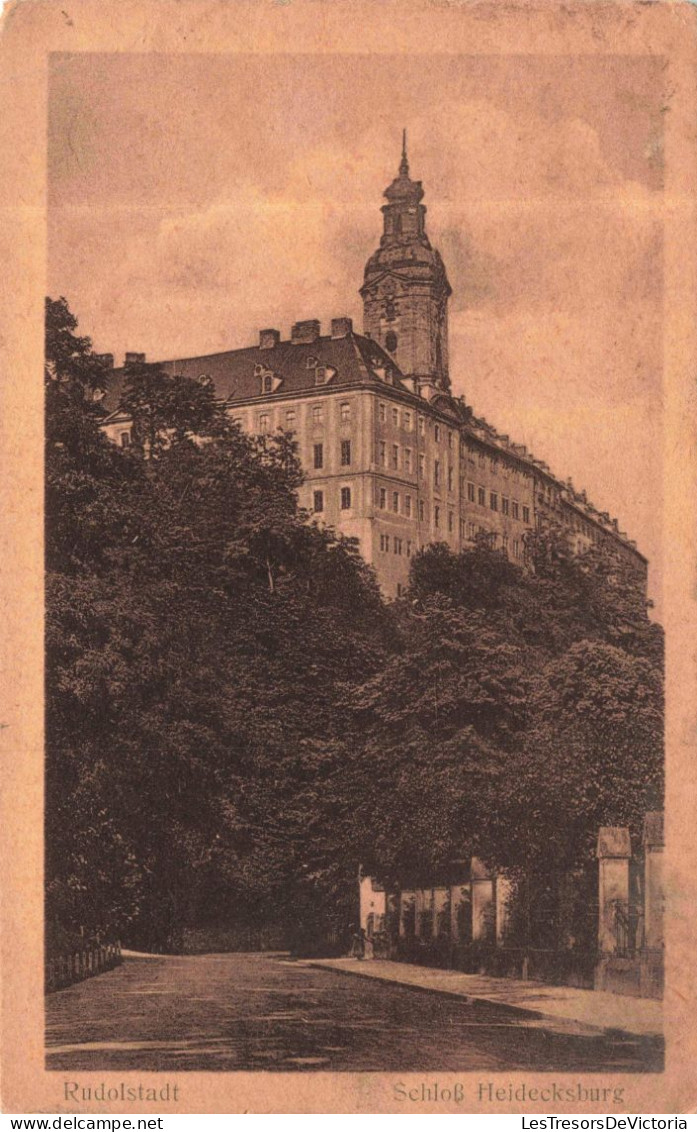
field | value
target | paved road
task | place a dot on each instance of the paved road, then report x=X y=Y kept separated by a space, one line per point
x=231 y=1012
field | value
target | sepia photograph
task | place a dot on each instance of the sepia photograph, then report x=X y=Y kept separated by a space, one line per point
x=354 y=680
x=351 y=567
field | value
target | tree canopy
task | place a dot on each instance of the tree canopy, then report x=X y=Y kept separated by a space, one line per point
x=236 y=719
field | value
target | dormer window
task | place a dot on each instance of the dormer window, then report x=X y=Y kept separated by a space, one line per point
x=312 y=362
x=320 y=374
x=269 y=382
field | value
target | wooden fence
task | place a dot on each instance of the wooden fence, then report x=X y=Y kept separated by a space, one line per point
x=72 y=967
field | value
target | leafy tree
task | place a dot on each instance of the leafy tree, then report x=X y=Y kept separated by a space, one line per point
x=166 y=407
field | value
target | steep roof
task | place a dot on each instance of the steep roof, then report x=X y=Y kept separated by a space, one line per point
x=234 y=373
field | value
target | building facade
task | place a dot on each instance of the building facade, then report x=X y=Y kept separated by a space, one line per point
x=390 y=456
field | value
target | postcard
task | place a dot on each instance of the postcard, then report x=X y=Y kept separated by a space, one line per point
x=349 y=557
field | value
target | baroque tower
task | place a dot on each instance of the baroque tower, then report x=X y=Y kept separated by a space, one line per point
x=405 y=290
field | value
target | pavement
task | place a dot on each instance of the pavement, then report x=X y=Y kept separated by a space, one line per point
x=237 y=1011
x=597 y=1010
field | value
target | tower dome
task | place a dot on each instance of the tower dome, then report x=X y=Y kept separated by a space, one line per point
x=405 y=289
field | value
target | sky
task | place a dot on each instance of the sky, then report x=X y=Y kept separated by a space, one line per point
x=194 y=199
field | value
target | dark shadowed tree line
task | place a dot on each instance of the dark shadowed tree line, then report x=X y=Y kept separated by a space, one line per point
x=236 y=719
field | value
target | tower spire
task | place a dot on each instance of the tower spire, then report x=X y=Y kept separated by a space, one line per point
x=404 y=163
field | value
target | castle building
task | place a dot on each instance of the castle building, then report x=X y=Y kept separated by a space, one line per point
x=390 y=456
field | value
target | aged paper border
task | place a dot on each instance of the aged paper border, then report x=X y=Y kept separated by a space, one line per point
x=31 y=30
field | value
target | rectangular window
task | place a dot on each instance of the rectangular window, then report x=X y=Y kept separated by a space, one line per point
x=387 y=543
x=395 y=502
x=383 y=413
x=516 y=548
x=494 y=466
x=383 y=498
x=345 y=412
x=263 y=422
x=422 y=465
x=437 y=433
x=493 y=501
x=125 y=439
x=505 y=543
x=462 y=528
x=526 y=514
x=422 y=511
x=436 y=516
x=382 y=454
x=471 y=530
x=318 y=501
x=504 y=504
x=481 y=459
x=316 y=414
x=346 y=499
x=290 y=419
x=395 y=455
x=470 y=492
x=436 y=473
x=450 y=439
x=450 y=522
x=408 y=548
x=407 y=459
x=450 y=479
x=345 y=453
x=422 y=426
x=395 y=417
x=407 y=421
x=514 y=508
x=318 y=451
x=398 y=546
x=407 y=506
x=481 y=497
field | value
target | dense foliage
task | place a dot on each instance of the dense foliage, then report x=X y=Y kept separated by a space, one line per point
x=236 y=720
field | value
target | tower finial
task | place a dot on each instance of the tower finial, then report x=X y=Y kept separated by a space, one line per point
x=404 y=163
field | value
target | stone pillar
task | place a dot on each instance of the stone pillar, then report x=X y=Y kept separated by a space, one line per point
x=504 y=889
x=614 y=851
x=460 y=898
x=653 y=879
x=440 y=905
x=418 y=911
x=407 y=899
x=483 y=902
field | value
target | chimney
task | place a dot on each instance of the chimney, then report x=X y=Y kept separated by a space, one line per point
x=107 y=360
x=341 y=327
x=268 y=339
x=305 y=332
x=134 y=359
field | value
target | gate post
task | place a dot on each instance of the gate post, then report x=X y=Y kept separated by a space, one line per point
x=613 y=852
x=653 y=880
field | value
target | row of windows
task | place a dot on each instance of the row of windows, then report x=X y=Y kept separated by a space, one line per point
x=508 y=506
x=394 y=502
x=344 y=500
x=291 y=418
x=399 y=545
x=318 y=454
x=407 y=418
